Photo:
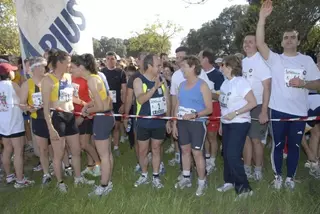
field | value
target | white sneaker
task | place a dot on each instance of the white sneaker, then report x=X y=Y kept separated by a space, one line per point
x=162 y=169
x=225 y=187
x=183 y=183
x=201 y=189
x=96 y=172
x=46 y=179
x=170 y=149
x=23 y=184
x=37 y=168
x=244 y=195
x=11 y=178
x=210 y=168
x=257 y=175
x=289 y=184
x=68 y=171
x=87 y=171
x=137 y=168
x=62 y=187
x=156 y=183
x=277 y=182
x=83 y=180
x=101 y=191
x=141 y=180
x=122 y=139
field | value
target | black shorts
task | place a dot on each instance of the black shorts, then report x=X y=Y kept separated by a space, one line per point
x=192 y=132
x=102 y=126
x=144 y=134
x=40 y=128
x=86 y=127
x=19 y=134
x=64 y=123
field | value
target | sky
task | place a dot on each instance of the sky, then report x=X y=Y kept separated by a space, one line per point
x=120 y=18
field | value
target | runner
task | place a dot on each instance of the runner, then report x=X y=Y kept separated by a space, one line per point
x=102 y=125
x=152 y=100
x=57 y=92
x=258 y=75
x=117 y=82
x=286 y=101
x=194 y=101
x=236 y=101
x=215 y=76
x=31 y=100
x=85 y=124
x=12 y=129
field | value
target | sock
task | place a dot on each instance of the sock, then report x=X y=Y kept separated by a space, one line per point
x=201 y=182
x=66 y=167
x=177 y=156
x=61 y=182
x=257 y=168
x=208 y=156
x=144 y=174
x=104 y=185
x=186 y=173
x=155 y=175
x=247 y=169
x=213 y=160
x=115 y=147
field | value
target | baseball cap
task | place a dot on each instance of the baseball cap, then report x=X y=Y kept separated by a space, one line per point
x=219 y=60
x=5 y=68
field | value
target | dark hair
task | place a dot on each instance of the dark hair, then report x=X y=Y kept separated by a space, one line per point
x=87 y=61
x=148 y=60
x=208 y=53
x=183 y=49
x=292 y=30
x=57 y=56
x=193 y=61
x=131 y=68
x=250 y=34
x=111 y=53
x=168 y=65
x=235 y=63
x=5 y=76
x=163 y=54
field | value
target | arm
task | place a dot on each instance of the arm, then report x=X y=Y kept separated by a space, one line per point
x=265 y=11
x=93 y=87
x=45 y=93
x=167 y=96
x=128 y=101
x=312 y=85
x=123 y=92
x=140 y=96
x=175 y=111
x=266 y=95
x=252 y=102
x=24 y=96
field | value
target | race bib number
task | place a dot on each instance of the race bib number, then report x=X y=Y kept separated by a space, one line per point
x=66 y=95
x=183 y=111
x=224 y=99
x=114 y=96
x=3 y=102
x=75 y=89
x=158 y=106
x=294 y=73
x=37 y=99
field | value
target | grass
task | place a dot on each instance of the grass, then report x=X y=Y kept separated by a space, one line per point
x=126 y=199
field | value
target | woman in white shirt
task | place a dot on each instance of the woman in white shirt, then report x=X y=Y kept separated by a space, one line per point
x=12 y=126
x=236 y=100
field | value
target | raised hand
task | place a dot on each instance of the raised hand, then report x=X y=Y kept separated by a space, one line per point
x=266 y=9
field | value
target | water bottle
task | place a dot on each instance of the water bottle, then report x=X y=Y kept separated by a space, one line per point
x=129 y=125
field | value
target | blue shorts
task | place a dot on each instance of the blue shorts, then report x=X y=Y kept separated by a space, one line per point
x=26 y=116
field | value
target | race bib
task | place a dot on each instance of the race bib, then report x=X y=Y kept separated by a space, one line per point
x=183 y=111
x=290 y=73
x=75 y=89
x=3 y=103
x=37 y=99
x=114 y=96
x=158 y=106
x=66 y=95
x=224 y=99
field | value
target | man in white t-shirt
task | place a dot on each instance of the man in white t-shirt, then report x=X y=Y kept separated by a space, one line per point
x=255 y=70
x=177 y=78
x=289 y=71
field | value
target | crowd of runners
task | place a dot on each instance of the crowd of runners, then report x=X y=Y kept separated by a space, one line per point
x=66 y=104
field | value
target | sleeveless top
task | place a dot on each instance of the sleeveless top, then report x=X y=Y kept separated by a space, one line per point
x=155 y=106
x=10 y=113
x=62 y=90
x=35 y=99
x=103 y=92
x=190 y=100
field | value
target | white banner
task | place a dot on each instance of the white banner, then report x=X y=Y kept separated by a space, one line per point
x=59 y=24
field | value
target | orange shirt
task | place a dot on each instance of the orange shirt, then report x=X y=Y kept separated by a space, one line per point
x=81 y=90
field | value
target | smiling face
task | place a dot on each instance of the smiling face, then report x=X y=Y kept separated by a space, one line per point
x=249 y=45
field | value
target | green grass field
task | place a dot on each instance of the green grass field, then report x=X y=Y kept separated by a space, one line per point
x=126 y=199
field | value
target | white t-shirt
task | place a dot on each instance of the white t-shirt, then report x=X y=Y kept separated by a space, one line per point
x=178 y=78
x=287 y=99
x=232 y=98
x=255 y=70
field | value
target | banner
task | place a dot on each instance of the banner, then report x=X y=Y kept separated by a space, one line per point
x=59 y=24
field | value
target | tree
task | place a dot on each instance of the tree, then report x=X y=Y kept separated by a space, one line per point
x=154 y=38
x=9 y=35
x=102 y=46
x=218 y=34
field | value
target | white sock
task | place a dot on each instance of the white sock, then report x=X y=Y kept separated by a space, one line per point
x=144 y=174
x=186 y=173
x=213 y=160
x=201 y=182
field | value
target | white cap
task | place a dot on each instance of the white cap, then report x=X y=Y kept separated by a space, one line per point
x=219 y=60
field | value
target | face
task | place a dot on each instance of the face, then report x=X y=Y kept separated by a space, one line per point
x=111 y=61
x=65 y=65
x=249 y=45
x=156 y=68
x=203 y=61
x=39 y=70
x=290 y=40
x=75 y=70
x=179 y=57
x=186 y=69
x=226 y=70
x=167 y=72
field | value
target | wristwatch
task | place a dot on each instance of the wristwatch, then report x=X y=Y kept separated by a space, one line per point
x=237 y=113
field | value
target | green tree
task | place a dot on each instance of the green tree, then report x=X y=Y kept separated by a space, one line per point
x=154 y=38
x=9 y=35
x=102 y=46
